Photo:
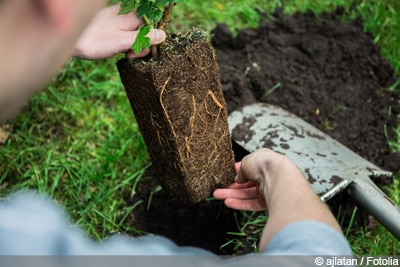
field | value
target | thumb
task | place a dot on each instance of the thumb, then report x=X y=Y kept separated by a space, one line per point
x=241 y=178
x=157 y=36
x=242 y=171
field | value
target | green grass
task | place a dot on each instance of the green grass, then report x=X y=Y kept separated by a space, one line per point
x=77 y=140
x=376 y=241
x=206 y=14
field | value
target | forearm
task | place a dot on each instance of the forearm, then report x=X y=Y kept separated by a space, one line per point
x=268 y=180
x=291 y=200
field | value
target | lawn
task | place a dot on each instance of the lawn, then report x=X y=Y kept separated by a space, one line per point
x=77 y=140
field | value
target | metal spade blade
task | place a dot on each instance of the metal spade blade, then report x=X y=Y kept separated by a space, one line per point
x=329 y=166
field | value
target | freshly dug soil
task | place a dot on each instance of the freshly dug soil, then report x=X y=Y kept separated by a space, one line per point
x=329 y=73
x=181 y=112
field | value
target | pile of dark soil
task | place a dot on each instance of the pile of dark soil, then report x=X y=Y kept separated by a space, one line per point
x=329 y=73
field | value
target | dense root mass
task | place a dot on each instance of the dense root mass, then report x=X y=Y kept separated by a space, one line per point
x=180 y=109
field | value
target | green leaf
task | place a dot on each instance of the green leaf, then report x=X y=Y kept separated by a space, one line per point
x=127 y=6
x=142 y=41
x=155 y=14
x=163 y=2
x=144 y=8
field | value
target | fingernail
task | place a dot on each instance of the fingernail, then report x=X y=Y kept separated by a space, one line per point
x=160 y=36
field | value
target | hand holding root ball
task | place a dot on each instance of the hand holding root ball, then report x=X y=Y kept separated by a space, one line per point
x=268 y=180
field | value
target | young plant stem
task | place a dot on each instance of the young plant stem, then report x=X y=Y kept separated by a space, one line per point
x=154 y=51
x=162 y=25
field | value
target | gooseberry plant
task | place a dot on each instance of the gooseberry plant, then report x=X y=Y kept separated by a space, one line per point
x=156 y=14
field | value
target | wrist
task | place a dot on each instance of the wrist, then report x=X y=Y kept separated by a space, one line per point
x=280 y=175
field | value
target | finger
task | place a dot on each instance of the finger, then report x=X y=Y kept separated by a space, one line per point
x=244 y=167
x=248 y=193
x=127 y=38
x=240 y=178
x=130 y=21
x=141 y=54
x=241 y=186
x=156 y=37
x=237 y=166
x=249 y=205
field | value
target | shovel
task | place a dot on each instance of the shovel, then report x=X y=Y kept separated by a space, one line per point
x=329 y=166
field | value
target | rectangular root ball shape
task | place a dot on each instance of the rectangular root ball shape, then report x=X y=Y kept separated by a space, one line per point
x=181 y=112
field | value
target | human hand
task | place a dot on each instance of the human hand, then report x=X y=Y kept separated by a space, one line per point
x=110 y=34
x=256 y=175
x=269 y=180
x=240 y=196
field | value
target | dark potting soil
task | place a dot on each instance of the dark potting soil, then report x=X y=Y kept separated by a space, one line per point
x=329 y=73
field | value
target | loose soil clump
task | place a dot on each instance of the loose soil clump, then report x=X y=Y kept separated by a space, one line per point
x=329 y=73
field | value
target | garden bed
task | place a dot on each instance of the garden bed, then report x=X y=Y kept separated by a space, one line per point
x=329 y=73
